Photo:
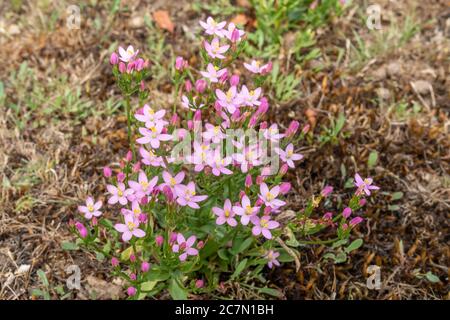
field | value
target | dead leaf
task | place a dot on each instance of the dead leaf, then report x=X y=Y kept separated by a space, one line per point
x=240 y=19
x=103 y=290
x=163 y=20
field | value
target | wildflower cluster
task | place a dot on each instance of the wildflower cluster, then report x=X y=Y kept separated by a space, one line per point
x=201 y=192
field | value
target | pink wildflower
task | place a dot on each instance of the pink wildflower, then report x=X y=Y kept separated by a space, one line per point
x=91 y=209
x=187 y=195
x=364 y=185
x=264 y=225
x=119 y=193
x=212 y=27
x=143 y=186
x=212 y=73
x=250 y=98
x=127 y=55
x=214 y=49
x=246 y=211
x=153 y=135
x=272 y=256
x=288 y=155
x=184 y=247
x=150 y=117
x=130 y=228
x=225 y=215
x=270 y=196
x=171 y=181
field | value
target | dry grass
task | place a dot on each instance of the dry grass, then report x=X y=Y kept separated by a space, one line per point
x=51 y=154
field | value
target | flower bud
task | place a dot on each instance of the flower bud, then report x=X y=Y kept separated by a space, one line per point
x=283 y=170
x=114 y=59
x=235 y=36
x=114 y=261
x=200 y=244
x=188 y=85
x=180 y=63
x=263 y=125
x=236 y=114
x=129 y=156
x=139 y=64
x=200 y=85
x=168 y=193
x=132 y=258
x=174 y=120
x=199 y=283
x=292 y=129
x=248 y=181
x=267 y=68
x=159 y=240
x=263 y=107
x=133 y=276
x=285 y=187
x=267 y=210
x=107 y=172
x=122 y=67
x=145 y=266
x=137 y=167
x=142 y=218
x=144 y=200
x=190 y=124
x=326 y=191
x=120 y=176
x=198 y=115
x=355 y=221
x=131 y=291
x=234 y=80
x=142 y=85
x=81 y=229
x=328 y=216
x=347 y=212
x=362 y=202
x=259 y=202
x=173 y=237
x=94 y=221
x=306 y=128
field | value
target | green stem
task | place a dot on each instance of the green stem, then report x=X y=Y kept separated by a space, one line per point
x=130 y=135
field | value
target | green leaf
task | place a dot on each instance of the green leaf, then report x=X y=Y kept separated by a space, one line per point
x=125 y=255
x=270 y=291
x=373 y=158
x=354 y=245
x=394 y=207
x=100 y=256
x=146 y=286
x=432 y=277
x=396 y=195
x=239 y=269
x=339 y=243
x=42 y=277
x=176 y=291
x=244 y=245
x=340 y=258
x=69 y=246
x=223 y=254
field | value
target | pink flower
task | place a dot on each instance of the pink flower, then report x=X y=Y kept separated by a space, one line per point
x=81 y=229
x=212 y=73
x=212 y=27
x=143 y=187
x=285 y=187
x=272 y=256
x=180 y=63
x=135 y=210
x=119 y=193
x=150 y=117
x=214 y=49
x=272 y=133
x=228 y=100
x=187 y=195
x=127 y=55
x=184 y=247
x=213 y=133
x=91 y=209
x=364 y=185
x=238 y=34
x=248 y=157
x=199 y=283
x=130 y=228
x=114 y=261
x=264 y=225
x=255 y=67
x=225 y=215
x=200 y=85
x=159 y=240
x=289 y=156
x=153 y=135
x=246 y=211
x=172 y=182
x=107 y=172
x=250 y=98
x=150 y=158
x=270 y=196
x=200 y=155
x=292 y=129
x=219 y=164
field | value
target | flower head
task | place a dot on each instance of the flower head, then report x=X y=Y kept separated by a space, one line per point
x=288 y=155
x=269 y=197
x=150 y=117
x=91 y=209
x=184 y=247
x=225 y=215
x=119 y=193
x=212 y=73
x=212 y=27
x=130 y=228
x=143 y=186
x=128 y=55
x=246 y=210
x=187 y=195
x=271 y=257
x=364 y=185
x=153 y=135
x=263 y=225
x=215 y=50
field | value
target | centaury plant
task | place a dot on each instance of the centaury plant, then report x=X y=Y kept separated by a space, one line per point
x=198 y=200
